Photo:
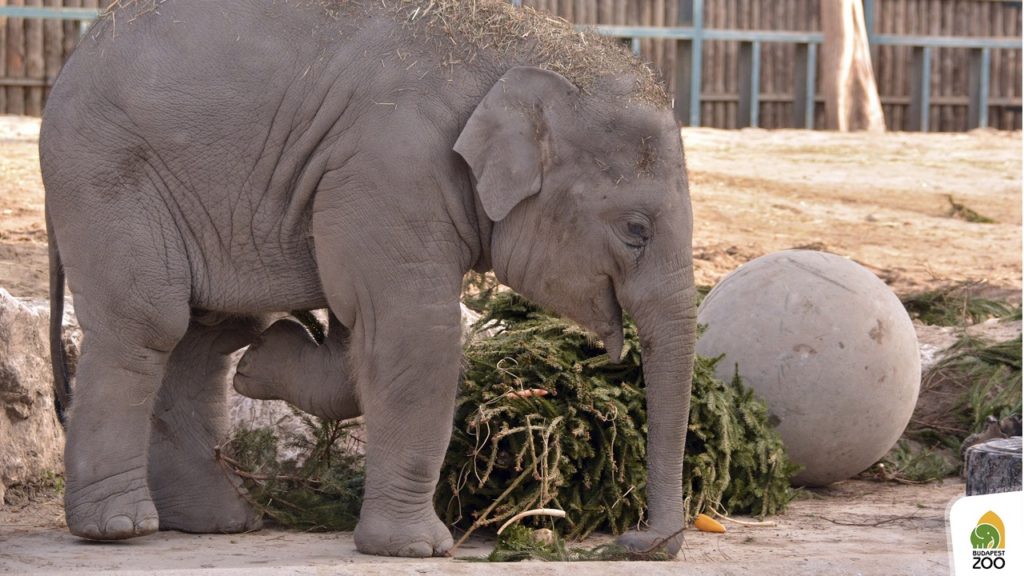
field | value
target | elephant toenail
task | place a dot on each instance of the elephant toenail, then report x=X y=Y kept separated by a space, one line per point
x=148 y=526
x=119 y=527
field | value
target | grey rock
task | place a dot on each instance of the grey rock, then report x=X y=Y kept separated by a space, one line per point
x=31 y=438
x=994 y=466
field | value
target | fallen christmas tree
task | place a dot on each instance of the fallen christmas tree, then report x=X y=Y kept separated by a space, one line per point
x=544 y=419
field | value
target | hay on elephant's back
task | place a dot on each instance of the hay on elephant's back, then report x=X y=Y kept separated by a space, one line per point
x=129 y=9
x=473 y=26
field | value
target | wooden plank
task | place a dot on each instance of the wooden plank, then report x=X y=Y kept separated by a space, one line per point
x=646 y=19
x=712 y=76
x=951 y=61
x=780 y=59
x=35 y=62
x=1007 y=71
x=881 y=67
x=735 y=19
x=3 y=59
x=934 y=19
x=713 y=59
x=998 y=77
x=788 y=65
x=1013 y=24
x=764 y=21
x=71 y=30
x=657 y=19
x=800 y=19
x=15 y=61
x=670 y=46
x=719 y=64
x=697 y=63
x=899 y=60
x=687 y=64
x=53 y=46
x=668 y=14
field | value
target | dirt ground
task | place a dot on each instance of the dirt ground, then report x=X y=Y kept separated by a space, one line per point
x=880 y=200
x=883 y=200
x=853 y=527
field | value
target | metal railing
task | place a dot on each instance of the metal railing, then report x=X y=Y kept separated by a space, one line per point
x=690 y=39
x=81 y=14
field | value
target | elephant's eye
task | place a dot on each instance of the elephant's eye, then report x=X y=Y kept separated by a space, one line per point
x=638 y=234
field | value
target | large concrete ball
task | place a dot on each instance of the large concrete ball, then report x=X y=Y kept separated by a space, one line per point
x=829 y=348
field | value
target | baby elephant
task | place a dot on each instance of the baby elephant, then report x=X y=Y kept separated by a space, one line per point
x=207 y=163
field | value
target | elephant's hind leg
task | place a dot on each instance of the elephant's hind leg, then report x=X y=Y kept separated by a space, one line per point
x=192 y=491
x=287 y=364
x=129 y=332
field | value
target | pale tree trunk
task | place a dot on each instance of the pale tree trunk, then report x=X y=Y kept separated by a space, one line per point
x=851 y=96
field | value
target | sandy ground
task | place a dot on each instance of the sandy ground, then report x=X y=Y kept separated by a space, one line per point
x=853 y=527
x=881 y=200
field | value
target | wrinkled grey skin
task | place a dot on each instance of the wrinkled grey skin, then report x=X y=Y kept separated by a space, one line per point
x=214 y=161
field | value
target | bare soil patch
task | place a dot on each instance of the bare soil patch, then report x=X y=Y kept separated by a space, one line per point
x=23 y=259
x=882 y=200
x=853 y=527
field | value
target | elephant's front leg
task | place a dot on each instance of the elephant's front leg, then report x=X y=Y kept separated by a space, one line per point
x=285 y=363
x=408 y=367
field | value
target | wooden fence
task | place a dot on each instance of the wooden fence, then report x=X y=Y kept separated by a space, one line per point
x=32 y=51
x=780 y=63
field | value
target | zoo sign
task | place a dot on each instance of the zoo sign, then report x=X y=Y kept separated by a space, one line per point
x=986 y=533
x=989 y=542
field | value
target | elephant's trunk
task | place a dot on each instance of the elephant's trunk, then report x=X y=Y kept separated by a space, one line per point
x=666 y=321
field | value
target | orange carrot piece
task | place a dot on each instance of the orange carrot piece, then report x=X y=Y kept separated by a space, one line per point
x=706 y=523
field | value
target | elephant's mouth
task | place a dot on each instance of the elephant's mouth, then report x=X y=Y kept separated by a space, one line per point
x=610 y=328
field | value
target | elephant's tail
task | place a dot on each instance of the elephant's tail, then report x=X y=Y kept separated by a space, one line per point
x=58 y=359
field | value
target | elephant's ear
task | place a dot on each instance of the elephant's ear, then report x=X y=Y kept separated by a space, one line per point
x=507 y=141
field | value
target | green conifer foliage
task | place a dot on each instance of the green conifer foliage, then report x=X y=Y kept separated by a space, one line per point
x=581 y=445
x=543 y=419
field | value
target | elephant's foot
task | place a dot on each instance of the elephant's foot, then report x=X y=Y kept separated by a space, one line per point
x=228 y=516
x=383 y=536
x=113 y=509
x=650 y=541
x=199 y=497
